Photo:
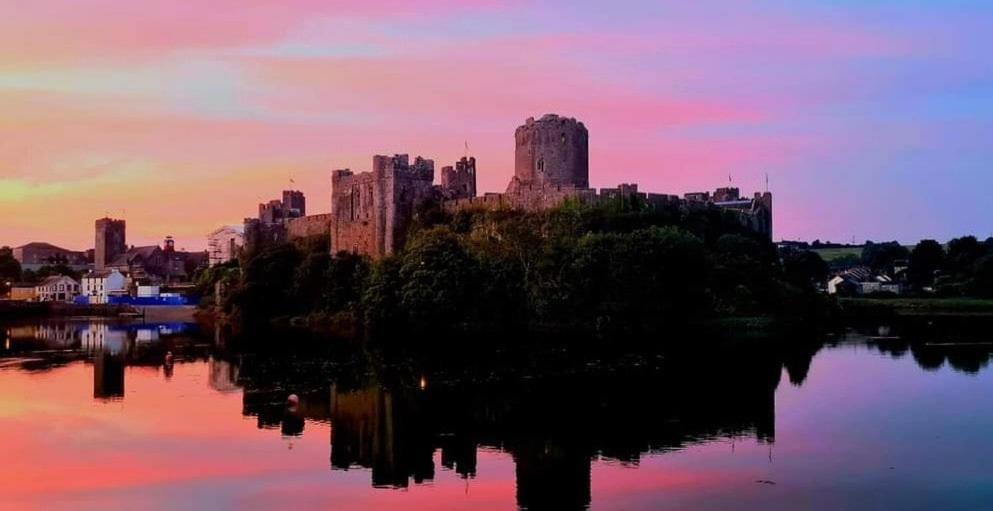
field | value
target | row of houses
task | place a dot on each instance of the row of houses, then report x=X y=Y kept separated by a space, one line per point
x=96 y=287
x=861 y=280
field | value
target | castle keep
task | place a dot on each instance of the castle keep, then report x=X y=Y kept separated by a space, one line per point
x=372 y=211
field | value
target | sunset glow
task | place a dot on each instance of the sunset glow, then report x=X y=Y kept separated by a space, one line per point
x=183 y=116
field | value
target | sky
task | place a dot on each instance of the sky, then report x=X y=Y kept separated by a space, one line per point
x=872 y=119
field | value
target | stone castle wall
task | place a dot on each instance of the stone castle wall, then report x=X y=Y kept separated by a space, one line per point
x=753 y=214
x=459 y=182
x=552 y=151
x=372 y=211
x=308 y=226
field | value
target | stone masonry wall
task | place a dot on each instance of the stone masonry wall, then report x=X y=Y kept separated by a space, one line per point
x=305 y=227
x=372 y=211
x=552 y=151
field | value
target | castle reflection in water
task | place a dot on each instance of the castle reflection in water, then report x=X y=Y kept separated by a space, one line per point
x=395 y=421
x=109 y=346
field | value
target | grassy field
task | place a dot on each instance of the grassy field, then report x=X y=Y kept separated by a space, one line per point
x=921 y=306
x=830 y=254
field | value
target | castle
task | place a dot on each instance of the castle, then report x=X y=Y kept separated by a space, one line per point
x=372 y=211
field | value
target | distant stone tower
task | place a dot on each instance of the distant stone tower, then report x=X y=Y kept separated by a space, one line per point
x=372 y=211
x=459 y=182
x=552 y=151
x=294 y=204
x=110 y=242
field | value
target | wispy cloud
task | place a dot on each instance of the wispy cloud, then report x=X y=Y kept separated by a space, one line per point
x=187 y=114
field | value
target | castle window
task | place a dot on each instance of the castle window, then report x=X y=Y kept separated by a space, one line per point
x=563 y=138
x=369 y=210
x=541 y=165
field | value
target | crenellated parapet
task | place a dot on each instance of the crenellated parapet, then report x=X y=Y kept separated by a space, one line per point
x=372 y=211
x=551 y=151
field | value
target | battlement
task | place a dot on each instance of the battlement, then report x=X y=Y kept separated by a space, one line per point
x=754 y=214
x=553 y=150
x=372 y=211
x=400 y=165
x=459 y=182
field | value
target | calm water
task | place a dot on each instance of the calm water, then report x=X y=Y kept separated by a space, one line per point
x=92 y=416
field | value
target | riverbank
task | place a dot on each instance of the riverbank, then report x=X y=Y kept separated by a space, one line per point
x=916 y=307
x=12 y=310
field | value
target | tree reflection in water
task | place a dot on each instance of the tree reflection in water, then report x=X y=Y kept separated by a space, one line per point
x=553 y=407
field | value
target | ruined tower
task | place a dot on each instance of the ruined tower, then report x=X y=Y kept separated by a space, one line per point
x=552 y=151
x=294 y=204
x=372 y=211
x=109 y=243
x=459 y=182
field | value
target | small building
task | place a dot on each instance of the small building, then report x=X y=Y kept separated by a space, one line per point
x=57 y=288
x=22 y=292
x=98 y=285
x=862 y=281
x=38 y=253
x=148 y=291
x=225 y=243
x=139 y=262
x=839 y=285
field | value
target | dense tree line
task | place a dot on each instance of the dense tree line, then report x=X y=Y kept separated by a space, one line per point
x=12 y=273
x=10 y=269
x=621 y=266
x=963 y=267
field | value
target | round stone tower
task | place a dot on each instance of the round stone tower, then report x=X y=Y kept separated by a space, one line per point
x=552 y=151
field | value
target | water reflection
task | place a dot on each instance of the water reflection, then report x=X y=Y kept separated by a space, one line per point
x=109 y=346
x=554 y=421
x=553 y=428
x=962 y=343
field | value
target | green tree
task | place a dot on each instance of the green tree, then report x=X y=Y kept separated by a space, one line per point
x=962 y=255
x=925 y=259
x=381 y=297
x=56 y=269
x=982 y=281
x=804 y=268
x=744 y=272
x=437 y=275
x=647 y=275
x=881 y=256
x=345 y=279
x=267 y=287
x=309 y=281
x=10 y=269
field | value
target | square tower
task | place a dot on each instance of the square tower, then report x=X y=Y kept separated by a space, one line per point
x=110 y=242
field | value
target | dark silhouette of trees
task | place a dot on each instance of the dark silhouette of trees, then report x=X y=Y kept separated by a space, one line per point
x=962 y=255
x=881 y=256
x=10 y=269
x=804 y=267
x=926 y=259
x=623 y=266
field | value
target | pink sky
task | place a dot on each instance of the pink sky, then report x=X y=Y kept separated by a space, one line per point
x=871 y=119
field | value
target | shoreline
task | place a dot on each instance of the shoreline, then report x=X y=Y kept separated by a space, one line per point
x=10 y=310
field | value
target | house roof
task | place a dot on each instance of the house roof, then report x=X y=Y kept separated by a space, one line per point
x=857 y=274
x=126 y=258
x=240 y=229
x=55 y=279
x=100 y=273
x=43 y=245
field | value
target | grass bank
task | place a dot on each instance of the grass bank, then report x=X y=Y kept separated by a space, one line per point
x=962 y=307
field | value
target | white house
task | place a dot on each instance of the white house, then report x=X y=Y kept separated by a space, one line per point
x=57 y=288
x=224 y=243
x=862 y=281
x=97 y=285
